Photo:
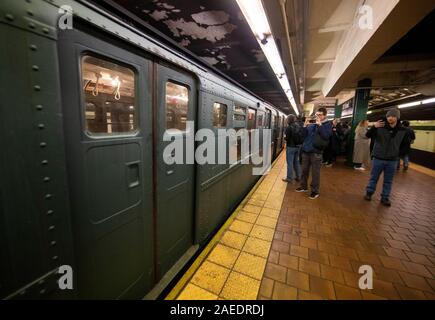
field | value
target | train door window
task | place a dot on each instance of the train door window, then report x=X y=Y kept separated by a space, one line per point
x=251 y=119
x=219 y=115
x=267 y=122
x=109 y=93
x=177 y=101
x=239 y=118
x=260 y=119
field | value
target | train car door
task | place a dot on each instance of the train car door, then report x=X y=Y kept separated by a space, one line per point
x=107 y=107
x=176 y=104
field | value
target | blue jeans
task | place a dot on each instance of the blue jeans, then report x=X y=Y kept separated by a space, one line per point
x=389 y=168
x=405 y=161
x=292 y=155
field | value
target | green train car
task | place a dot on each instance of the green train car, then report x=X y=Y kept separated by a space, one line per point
x=83 y=181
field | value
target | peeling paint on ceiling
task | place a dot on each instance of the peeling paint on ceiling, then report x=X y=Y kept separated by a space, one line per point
x=217 y=32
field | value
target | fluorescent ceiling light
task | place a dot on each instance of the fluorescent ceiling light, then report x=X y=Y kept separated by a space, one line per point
x=256 y=17
x=369 y=112
x=411 y=104
x=427 y=101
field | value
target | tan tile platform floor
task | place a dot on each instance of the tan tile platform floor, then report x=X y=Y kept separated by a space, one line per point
x=320 y=244
x=281 y=245
x=234 y=266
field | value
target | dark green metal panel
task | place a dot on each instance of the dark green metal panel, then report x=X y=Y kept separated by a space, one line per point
x=175 y=182
x=34 y=212
x=112 y=217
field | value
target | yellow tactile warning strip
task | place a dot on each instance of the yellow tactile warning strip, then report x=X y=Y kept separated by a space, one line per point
x=233 y=263
x=422 y=169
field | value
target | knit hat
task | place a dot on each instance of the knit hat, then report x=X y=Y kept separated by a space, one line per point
x=393 y=113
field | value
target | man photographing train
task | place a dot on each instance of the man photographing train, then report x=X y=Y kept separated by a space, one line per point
x=389 y=139
x=317 y=131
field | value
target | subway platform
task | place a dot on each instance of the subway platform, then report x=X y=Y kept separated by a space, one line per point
x=280 y=245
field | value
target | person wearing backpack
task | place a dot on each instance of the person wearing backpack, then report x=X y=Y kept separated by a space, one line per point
x=316 y=132
x=294 y=139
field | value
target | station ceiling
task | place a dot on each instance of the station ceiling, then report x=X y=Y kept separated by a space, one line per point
x=216 y=32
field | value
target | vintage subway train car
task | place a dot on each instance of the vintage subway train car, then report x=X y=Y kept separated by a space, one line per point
x=83 y=178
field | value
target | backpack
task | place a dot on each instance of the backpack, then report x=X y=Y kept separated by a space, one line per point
x=297 y=135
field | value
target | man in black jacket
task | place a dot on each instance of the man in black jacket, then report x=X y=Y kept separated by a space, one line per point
x=404 y=154
x=293 y=137
x=389 y=139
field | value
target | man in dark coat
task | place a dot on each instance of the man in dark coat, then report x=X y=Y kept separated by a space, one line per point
x=404 y=153
x=390 y=137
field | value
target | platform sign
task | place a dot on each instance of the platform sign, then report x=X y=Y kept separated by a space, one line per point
x=347 y=110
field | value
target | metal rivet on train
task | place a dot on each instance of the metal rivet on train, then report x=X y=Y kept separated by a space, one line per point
x=32 y=25
x=35 y=67
x=44 y=162
x=46 y=179
x=48 y=196
x=33 y=47
x=55 y=257
x=39 y=107
x=45 y=30
x=41 y=282
x=37 y=88
x=43 y=144
x=42 y=291
x=53 y=243
x=30 y=13
x=10 y=17
x=41 y=126
x=50 y=228
x=49 y=212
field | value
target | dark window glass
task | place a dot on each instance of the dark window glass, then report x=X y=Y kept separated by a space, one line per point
x=219 y=115
x=177 y=102
x=109 y=92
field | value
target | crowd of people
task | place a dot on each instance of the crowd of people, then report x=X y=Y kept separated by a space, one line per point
x=315 y=140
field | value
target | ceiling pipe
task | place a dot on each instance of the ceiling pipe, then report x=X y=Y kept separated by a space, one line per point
x=284 y=17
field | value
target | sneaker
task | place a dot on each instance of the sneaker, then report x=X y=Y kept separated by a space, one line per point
x=314 y=195
x=360 y=168
x=286 y=180
x=368 y=197
x=300 y=189
x=386 y=202
x=328 y=165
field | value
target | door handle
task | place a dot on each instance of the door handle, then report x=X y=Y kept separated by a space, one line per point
x=133 y=174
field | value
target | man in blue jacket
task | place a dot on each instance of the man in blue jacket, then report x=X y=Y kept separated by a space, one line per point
x=316 y=132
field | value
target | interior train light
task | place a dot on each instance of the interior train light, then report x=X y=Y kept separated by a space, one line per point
x=256 y=17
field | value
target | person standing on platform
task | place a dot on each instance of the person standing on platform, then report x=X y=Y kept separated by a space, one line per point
x=407 y=147
x=294 y=139
x=361 y=150
x=317 y=132
x=389 y=139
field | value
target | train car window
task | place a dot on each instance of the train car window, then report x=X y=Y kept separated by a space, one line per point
x=251 y=119
x=177 y=101
x=219 y=115
x=239 y=113
x=109 y=92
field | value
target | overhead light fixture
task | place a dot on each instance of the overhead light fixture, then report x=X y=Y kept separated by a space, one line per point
x=256 y=17
x=369 y=112
x=410 y=104
x=427 y=101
